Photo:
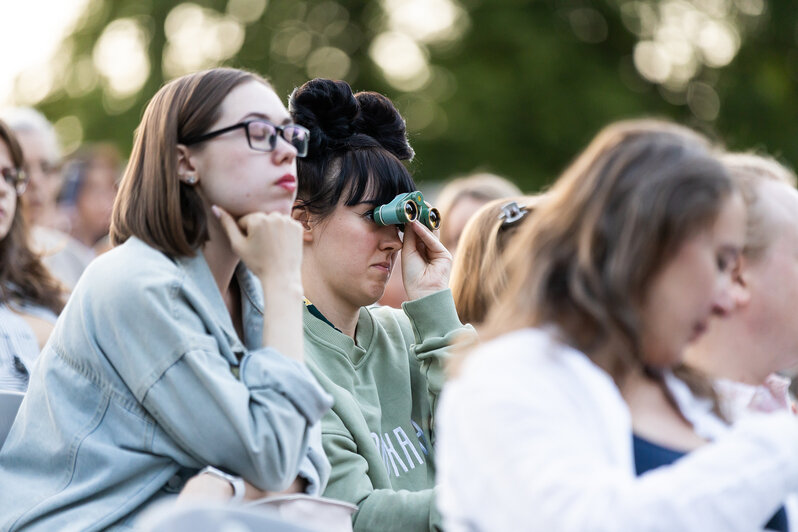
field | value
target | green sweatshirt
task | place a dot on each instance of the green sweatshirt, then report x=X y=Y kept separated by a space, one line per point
x=379 y=435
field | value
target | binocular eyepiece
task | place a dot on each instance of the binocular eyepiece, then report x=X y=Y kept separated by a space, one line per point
x=406 y=208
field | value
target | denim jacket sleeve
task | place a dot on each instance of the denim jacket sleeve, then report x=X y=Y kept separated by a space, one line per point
x=162 y=340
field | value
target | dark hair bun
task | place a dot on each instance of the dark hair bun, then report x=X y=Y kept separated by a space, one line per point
x=379 y=119
x=327 y=108
x=338 y=119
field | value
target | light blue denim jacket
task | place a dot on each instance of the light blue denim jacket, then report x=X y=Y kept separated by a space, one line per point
x=135 y=392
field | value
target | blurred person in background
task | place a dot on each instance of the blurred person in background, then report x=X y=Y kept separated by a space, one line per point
x=460 y=198
x=478 y=274
x=43 y=165
x=87 y=196
x=745 y=352
x=626 y=262
x=30 y=298
x=457 y=202
x=63 y=255
x=748 y=354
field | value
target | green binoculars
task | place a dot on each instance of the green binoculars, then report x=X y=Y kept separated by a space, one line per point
x=407 y=207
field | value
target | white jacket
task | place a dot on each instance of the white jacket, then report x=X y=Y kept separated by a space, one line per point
x=534 y=436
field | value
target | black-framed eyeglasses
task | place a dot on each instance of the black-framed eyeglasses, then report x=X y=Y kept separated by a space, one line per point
x=16 y=178
x=262 y=135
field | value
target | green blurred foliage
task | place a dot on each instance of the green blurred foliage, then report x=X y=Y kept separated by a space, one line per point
x=519 y=94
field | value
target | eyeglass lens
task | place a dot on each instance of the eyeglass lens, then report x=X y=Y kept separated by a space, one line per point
x=15 y=179
x=263 y=136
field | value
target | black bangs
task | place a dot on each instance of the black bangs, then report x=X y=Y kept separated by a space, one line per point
x=373 y=176
x=367 y=174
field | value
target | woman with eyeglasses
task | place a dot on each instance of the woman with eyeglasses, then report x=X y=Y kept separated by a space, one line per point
x=181 y=347
x=30 y=298
x=383 y=366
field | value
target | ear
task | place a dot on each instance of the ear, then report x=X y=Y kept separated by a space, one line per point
x=302 y=215
x=741 y=279
x=186 y=167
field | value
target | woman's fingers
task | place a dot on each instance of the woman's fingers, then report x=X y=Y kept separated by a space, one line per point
x=433 y=246
x=268 y=243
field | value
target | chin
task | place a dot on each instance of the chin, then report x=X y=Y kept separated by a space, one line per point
x=283 y=207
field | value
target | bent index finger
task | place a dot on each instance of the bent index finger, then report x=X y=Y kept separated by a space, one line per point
x=428 y=238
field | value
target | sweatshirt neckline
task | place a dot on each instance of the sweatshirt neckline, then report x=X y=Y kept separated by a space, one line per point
x=356 y=353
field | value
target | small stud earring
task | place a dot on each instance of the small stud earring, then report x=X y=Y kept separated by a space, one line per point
x=191 y=179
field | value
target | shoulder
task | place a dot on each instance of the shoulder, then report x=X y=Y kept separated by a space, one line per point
x=534 y=359
x=128 y=273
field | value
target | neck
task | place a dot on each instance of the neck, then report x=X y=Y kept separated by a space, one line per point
x=220 y=256
x=725 y=352
x=338 y=311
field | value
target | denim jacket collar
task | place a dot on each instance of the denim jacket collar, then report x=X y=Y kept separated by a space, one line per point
x=199 y=273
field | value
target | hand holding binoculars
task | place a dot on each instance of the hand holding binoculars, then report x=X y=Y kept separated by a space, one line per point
x=407 y=207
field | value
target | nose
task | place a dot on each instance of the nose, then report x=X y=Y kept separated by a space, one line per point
x=5 y=187
x=284 y=152
x=389 y=238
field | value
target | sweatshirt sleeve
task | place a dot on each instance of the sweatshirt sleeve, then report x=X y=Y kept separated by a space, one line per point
x=385 y=510
x=258 y=426
x=436 y=329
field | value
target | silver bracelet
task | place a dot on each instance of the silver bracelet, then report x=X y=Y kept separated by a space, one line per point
x=239 y=488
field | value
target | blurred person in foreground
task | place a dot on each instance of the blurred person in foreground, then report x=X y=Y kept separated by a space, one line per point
x=626 y=262
x=30 y=298
x=63 y=255
x=457 y=202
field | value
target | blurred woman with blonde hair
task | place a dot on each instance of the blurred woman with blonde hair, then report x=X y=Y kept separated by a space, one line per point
x=478 y=276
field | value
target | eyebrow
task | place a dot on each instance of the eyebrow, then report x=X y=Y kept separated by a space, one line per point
x=286 y=120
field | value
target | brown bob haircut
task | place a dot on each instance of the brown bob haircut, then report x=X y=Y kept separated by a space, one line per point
x=152 y=204
x=609 y=224
x=23 y=277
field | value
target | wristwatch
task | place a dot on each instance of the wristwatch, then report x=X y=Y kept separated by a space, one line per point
x=239 y=488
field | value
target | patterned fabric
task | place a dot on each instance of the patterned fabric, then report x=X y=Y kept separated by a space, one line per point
x=18 y=345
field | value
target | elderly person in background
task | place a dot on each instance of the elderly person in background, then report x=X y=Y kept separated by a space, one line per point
x=744 y=352
x=64 y=256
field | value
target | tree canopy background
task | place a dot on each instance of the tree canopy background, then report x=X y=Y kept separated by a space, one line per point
x=516 y=87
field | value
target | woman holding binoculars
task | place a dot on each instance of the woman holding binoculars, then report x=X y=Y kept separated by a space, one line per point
x=383 y=366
